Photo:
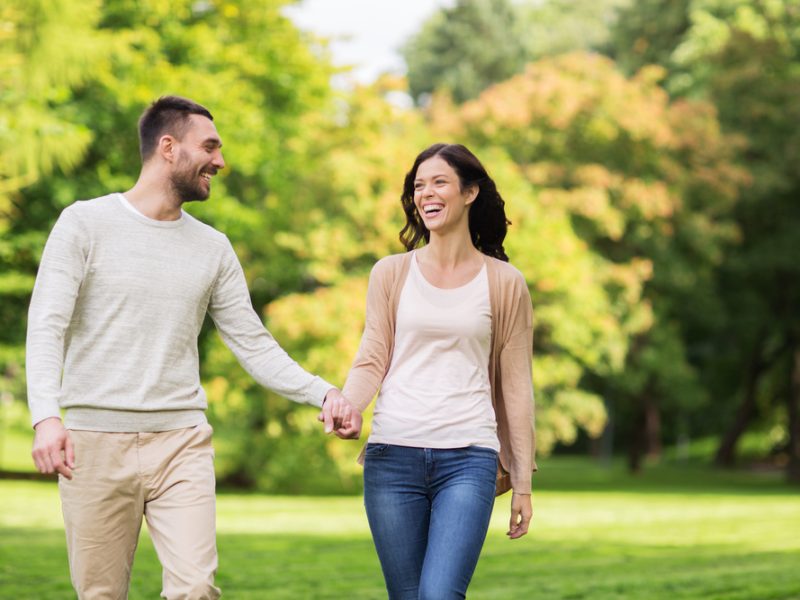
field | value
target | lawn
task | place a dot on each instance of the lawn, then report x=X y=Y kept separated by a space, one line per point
x=675 y=532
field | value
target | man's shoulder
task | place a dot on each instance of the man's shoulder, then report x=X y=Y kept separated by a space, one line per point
x=205 y=231
x=93 y=206
x=89 y=214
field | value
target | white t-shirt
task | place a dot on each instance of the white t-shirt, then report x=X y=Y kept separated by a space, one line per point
x=436 y=393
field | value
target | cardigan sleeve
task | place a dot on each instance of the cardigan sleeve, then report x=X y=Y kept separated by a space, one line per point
x=374 y=353
x=517 y=389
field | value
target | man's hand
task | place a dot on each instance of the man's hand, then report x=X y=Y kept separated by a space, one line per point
x=52 y=448
x=339 y=416
x=521 y=513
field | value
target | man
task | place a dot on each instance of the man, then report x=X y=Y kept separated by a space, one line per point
x=122 y=290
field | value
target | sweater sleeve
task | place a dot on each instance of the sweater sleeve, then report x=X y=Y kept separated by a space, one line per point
x=254 y=347
x=55 y=292
x=374 y=352
x=517 y=383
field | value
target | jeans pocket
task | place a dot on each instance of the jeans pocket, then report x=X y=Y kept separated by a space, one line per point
x=375 y=450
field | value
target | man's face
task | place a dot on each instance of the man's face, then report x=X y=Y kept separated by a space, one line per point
x=198 y=158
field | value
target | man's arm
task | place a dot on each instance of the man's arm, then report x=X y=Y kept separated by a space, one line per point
x=52 y=304
x=255 y=348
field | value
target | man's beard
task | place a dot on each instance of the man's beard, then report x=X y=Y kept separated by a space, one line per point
x=186 y=184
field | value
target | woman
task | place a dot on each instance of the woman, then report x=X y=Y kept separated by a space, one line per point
x=448 y=341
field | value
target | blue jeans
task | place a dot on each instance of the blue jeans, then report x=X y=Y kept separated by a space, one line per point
x=429 y=511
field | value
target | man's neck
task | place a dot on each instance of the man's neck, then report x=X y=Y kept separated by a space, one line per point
x=153 y=201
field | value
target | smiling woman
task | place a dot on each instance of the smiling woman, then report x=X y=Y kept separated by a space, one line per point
x=448 y=340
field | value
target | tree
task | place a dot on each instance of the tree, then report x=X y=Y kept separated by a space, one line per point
x=648 y=185
x=266 y=91
x=475 y=43
x=465 y=48
x=47 y=50
x=743 y=56
x=559 y=26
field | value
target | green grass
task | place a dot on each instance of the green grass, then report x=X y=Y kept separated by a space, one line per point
x=673 y=533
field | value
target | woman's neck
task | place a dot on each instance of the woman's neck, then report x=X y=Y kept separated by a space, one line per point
x=448 y=252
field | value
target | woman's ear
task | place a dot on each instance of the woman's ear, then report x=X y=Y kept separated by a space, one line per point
x=471 y=193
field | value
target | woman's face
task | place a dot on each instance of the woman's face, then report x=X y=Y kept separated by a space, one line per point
x=438 y=196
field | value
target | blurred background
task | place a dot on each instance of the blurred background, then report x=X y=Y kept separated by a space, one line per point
x=649 y=154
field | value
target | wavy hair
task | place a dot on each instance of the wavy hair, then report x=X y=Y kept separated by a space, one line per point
x=488 y=224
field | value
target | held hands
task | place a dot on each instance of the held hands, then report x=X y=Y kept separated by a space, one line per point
x=521 y=513
x=339 y=416
x=52 y=448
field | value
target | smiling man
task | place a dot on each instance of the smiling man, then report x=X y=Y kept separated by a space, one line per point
x=122 y=291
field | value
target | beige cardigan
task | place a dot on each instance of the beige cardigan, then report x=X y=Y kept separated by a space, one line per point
x=509 y=362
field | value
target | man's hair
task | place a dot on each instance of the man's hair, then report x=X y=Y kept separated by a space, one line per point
x=167 y=115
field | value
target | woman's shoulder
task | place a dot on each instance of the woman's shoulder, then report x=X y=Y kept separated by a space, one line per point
x=505 y=271
x=389 y=265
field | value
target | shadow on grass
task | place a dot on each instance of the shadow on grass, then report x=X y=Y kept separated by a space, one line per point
x=33 y=566
x=567 y=474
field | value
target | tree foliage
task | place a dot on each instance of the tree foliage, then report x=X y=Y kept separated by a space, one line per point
x=466 y=48
x=654 y=207
x=744 y=57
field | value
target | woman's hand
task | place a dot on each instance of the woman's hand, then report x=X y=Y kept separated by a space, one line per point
x=521 y=513
x=339 y=416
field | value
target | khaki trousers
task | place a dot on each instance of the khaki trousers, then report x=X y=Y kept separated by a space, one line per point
x=167 y=477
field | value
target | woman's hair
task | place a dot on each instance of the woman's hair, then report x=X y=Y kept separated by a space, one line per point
x=487 y=216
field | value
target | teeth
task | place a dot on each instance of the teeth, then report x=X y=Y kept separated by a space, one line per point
x=206 y=176
x=432 y=209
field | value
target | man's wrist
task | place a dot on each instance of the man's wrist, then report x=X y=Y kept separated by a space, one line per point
x=45 y=420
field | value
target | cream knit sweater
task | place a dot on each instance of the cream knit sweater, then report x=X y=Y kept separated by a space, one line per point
x=118 y=305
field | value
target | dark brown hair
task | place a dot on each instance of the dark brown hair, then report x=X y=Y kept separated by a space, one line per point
x=168 y=114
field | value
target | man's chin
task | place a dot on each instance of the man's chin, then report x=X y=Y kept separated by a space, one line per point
x=197 y=195
x=196 y=199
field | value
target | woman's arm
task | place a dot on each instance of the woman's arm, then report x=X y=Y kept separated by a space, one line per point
x=375 y=350
x=517 y=389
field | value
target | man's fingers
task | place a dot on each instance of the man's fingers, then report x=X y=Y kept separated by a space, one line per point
x=327 y=418
x=59 y=466
x=69 y=452
x=47 y=463
x=38 y=460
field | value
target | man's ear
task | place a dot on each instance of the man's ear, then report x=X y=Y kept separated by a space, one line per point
x=166 y=147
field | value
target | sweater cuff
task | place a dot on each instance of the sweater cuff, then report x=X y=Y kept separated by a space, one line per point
x=318 y=391
x=40 y=413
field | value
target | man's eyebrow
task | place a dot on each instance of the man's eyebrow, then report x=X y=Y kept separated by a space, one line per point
x=213 y=141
